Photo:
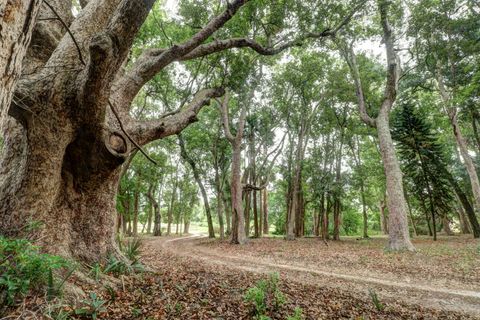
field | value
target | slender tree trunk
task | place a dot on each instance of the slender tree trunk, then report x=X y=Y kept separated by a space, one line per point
x=135 y=213
x=462 y=197
x=460 y=140
x=425 y=211
x=364 y=211
x=321 y=217
x=464 y=225
x=260 y=213
x=410 y=213
x=475 y=123
x=186 y=226
x=228 y=216
x=198 y=179
x=383 y=218
x=155 y=205
x=399 y=237
x=248 y=202
x=336 y=218
x=326 y=222
x=292 y=218
x=256 y=231
x=265 y=212
x=467 y=160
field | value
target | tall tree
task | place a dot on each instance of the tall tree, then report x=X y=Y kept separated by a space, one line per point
x=238 y=219
x=399 y=238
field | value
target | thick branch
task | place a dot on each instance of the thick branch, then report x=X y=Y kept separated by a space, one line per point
x=146 y=131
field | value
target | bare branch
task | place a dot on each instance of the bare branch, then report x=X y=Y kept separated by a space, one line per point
x=80 y=57
x=128 y=135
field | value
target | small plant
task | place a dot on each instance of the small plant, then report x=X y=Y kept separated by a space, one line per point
x=54 y=288
x=264 y=296
x=297 y=314
x=117 y=267
x=96 y=271
x=24 y=268
x=93 y=307
x=131 y=249
x=378 y=305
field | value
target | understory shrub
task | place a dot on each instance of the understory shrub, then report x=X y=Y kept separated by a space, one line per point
x=266 y=297
x=24 y=268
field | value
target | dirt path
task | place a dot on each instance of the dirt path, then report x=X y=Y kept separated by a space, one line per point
x=432 y=296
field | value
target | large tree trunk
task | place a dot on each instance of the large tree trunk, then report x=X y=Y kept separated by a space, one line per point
x=43 y=180
x=399 y=238
x=17 y=20
x=63 y=152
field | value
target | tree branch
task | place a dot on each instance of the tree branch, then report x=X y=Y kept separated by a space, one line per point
x=350 y=58
x=147 y=131
x=148 y=66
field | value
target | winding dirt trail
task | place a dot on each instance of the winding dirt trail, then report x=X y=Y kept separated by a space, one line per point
x=388 y=289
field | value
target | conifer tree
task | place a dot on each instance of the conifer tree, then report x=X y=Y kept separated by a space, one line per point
x=424 y=162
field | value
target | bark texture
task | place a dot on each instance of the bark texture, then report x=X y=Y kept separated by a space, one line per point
x=17 y=20
x=238 y=219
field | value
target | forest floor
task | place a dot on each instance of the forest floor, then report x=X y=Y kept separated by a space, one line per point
x=199 y=278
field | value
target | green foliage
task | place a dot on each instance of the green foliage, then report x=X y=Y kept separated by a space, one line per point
x=92 y=307
x=423 y=160
x=118 y=267
x=132 y=249
x=265 y=296
x=96 y=271
x=23 y=268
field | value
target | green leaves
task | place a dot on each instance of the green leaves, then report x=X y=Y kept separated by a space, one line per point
x=23 y=268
